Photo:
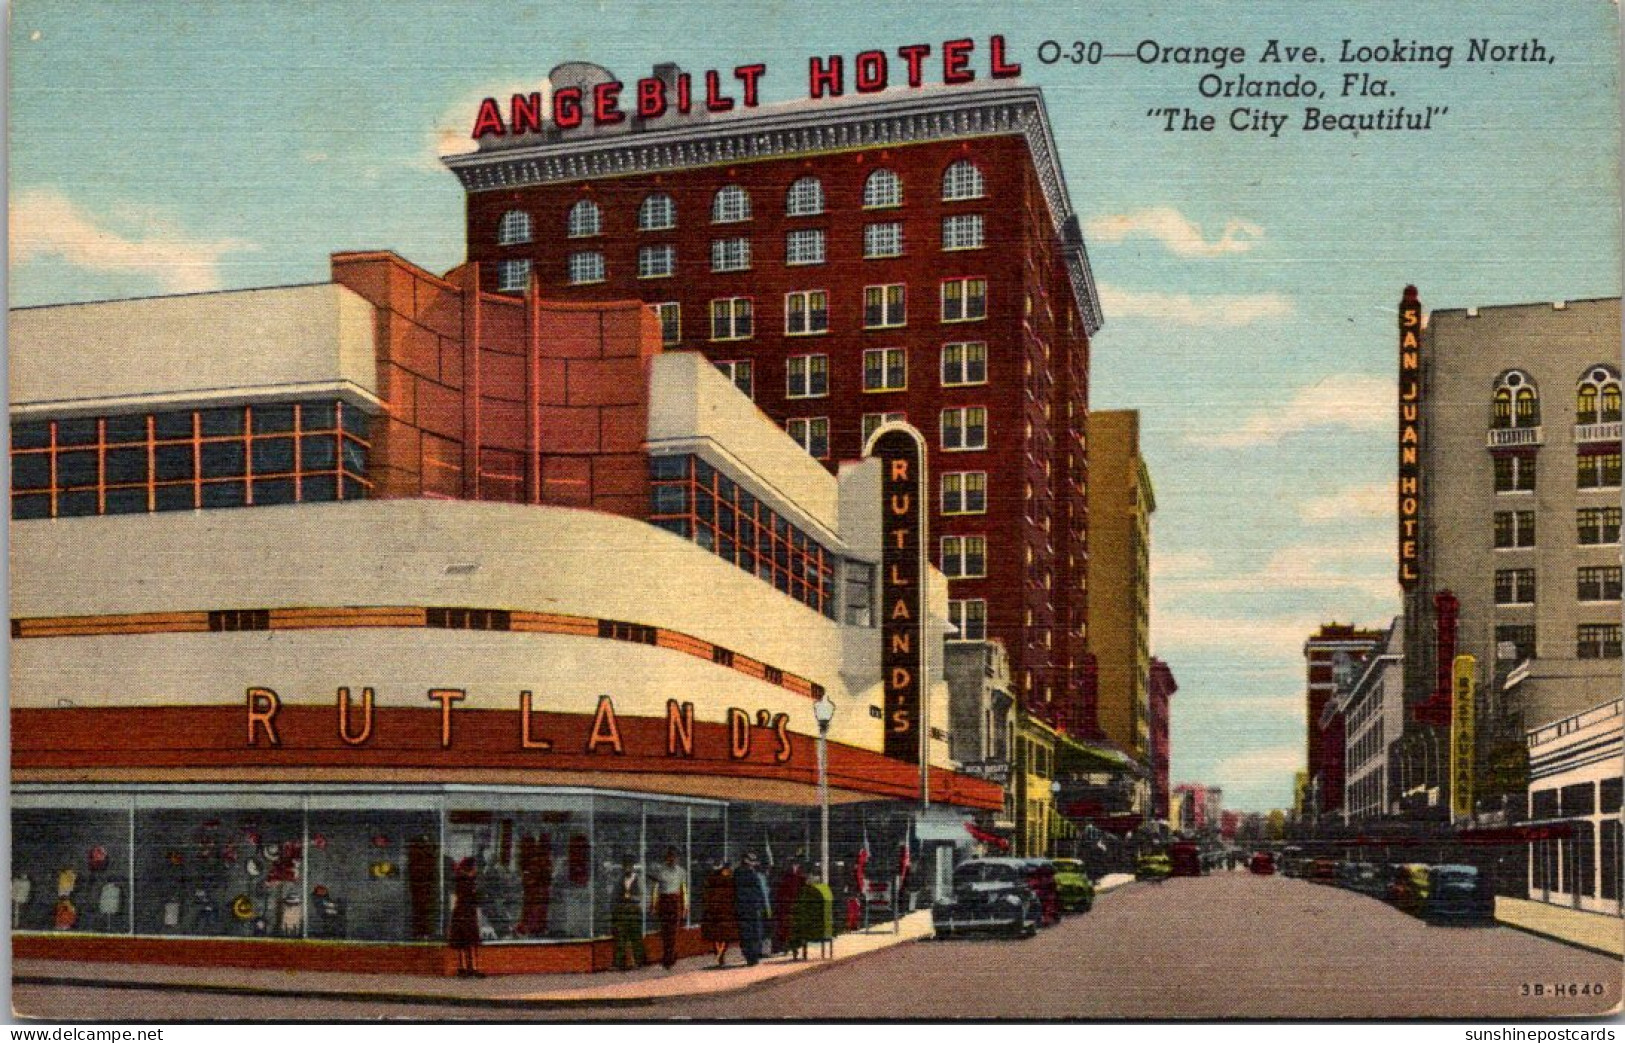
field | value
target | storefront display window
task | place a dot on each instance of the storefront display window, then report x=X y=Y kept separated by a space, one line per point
x=375 y=874
x=533 y=855
x=71 y=871
x=219 y=871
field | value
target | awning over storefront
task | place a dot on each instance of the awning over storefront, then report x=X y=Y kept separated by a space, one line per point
x=982 y=836
x=1075 y=755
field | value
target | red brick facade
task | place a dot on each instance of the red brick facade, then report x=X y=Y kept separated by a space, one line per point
x=1327 y=753
x=1036 y=392
x=555 y=410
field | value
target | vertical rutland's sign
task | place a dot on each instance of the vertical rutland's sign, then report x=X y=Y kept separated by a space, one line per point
x=1410 y=437
x=901 y=452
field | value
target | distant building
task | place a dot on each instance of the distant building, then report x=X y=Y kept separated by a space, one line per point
x=1160 y=689
x=1574 y=810
x=1121 y=503
x=1373 y=711
x=1333 y=655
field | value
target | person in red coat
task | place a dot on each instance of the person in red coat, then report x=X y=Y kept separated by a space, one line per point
x=719 y=924
x=786 y=889
x=464 y=934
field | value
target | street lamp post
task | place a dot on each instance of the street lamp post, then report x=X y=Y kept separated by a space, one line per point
x=1055 y=812
x=823 y=713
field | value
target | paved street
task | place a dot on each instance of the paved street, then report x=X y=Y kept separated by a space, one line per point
x=1229 y=945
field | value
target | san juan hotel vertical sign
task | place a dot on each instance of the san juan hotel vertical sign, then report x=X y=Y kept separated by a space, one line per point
x=902 y=587
x=1410 y=437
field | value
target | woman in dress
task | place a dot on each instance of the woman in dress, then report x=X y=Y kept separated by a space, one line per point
x=718 y=923
x=464 y=935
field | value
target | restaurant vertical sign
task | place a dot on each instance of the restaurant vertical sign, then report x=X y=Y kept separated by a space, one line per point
x=901 y=452
x=1410 y=438
x=1463 y=722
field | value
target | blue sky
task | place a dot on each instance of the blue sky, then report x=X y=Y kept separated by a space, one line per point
x=1249 y=282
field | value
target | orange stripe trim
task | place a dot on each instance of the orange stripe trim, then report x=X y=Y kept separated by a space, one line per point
x=403 y=616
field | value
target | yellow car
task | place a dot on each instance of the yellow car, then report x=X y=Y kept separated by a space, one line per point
x=1154 y=866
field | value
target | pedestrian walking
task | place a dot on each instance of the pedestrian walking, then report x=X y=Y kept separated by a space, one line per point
x=464 y=933
x=754 y=908
x=719 y=925
x=626 y=920
x=670 y=896
x=786 y=889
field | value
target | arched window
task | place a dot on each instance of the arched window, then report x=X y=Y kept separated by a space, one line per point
x=882 y=189
x=1597 y=400
x=585 y=219
x=963 y=180
x=1517 y=401
x=657 y=213
x=513 y=228
x=806 y=198
x=730 y=204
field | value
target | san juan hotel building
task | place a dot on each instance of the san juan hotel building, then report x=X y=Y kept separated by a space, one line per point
x=908 y=253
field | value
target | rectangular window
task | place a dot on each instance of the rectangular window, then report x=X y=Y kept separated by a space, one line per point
x=1514 y=529
x=1610 y=859
x=1515 y=586
x=1598 y=641
x=738 y=371
x=806 y=311
x=1514 y=474
x=964 y=428
x=964 y=363
x=1598 y=471
x=806 y=376
x=872 y=422
x=962 y=232
x=860 y=593
x=657 y=262
x=513 y=276
x=730 y=255
x=1598 y=525
x=586 y=267
x=884 y=306
x=812 y=434
x=964 y=300
x=731 y=318
x=671 y=322
x=1514 y=643
x=964 y=492
x=883 y=240
x=969 y=617
x=964 y=557
x=885 y=369
x=1599 y=583
x=804 y=246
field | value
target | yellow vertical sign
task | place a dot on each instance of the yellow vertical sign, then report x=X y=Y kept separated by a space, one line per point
x=1461 y=736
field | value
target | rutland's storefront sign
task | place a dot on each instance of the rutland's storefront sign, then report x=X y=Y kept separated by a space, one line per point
x=1410 y=437
x=902 y=586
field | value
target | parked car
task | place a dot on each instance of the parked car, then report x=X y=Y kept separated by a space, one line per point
x=1368 y=879
x=990 y=894
x=1322 y=871
x=1073 y=886
x=1408 y=888
x=1152 y=866
x=1185 y=859
x=1461 y=894
x=1262 y=863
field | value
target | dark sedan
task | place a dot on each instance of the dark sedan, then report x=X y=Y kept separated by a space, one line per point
x=990 y=894
x=1459 y=894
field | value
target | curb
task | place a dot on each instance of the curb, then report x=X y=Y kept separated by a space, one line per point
x=1559 y=939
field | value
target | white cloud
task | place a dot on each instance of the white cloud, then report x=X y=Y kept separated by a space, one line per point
x=1178 y=233
x=1182 y=309
x=1350 y=402
x=1173 y=564
x=1249 y=767
x=1357 y=501
x=134 y=240
x=1363 y=567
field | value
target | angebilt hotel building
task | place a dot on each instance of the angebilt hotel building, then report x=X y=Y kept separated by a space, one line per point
x=906 y=255
x=320 y=589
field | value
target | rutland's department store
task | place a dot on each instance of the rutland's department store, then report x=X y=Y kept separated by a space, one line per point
x=319 y=590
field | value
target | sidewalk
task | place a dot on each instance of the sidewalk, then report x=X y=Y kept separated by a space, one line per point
x=691 y=977
x=1598 y=932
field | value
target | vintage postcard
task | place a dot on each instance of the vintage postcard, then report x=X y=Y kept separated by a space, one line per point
x=528 y=510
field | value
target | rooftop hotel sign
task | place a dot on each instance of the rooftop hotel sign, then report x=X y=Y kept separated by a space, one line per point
x=653 y=97
x=1410 y=437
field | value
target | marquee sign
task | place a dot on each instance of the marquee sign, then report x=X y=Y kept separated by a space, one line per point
x=1410 y=438
x=901 y=452
x=1462 y=737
